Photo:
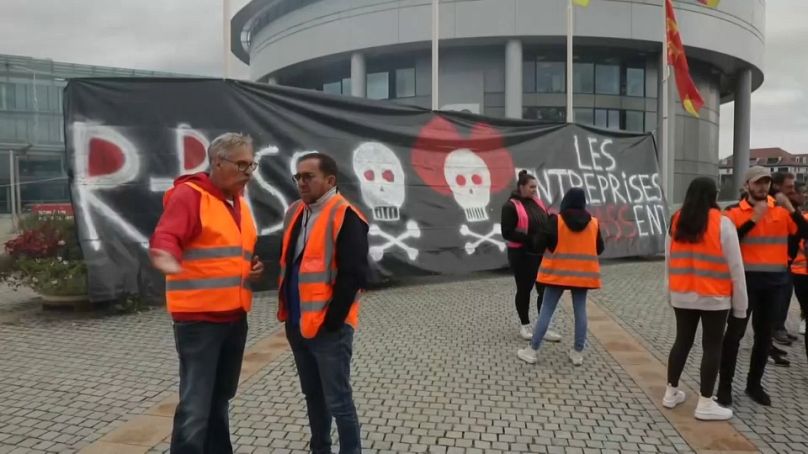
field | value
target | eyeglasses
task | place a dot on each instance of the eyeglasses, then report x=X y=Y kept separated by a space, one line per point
x=305 y=177
x=243 y=166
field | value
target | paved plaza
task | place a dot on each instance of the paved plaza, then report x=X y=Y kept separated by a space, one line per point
x=434 y=370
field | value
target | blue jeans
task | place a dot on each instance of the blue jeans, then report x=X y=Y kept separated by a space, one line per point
x=324 y=366
x=552 y=295
x=210 y=364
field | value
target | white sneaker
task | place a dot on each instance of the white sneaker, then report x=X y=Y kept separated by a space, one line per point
x=673 y=397
x=576 y=357
x=709 y=410
x=552 y=336
x=802 y=327
x=527 y=355
x=525 y=332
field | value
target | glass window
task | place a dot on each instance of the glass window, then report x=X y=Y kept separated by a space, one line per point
x=614 y=119
x=584 y=116
x=23 y=103
x=529 y=76
x=405 y=83
x=607 y=79
x=548 y=114
x=583 y=78
x=601 y=118
x=635 y=82
x=607 y=118
x=335 y=88
x=3 y=96
x=550 y=77
x=635 y=120
x=346 y=86
x=378 y=85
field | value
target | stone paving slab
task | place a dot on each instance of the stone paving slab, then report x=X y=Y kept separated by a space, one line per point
x=435 y=371
x=633 y=292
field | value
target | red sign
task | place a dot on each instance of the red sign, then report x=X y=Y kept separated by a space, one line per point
x=52 y=209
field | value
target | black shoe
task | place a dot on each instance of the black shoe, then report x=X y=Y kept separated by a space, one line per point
x=724 y=397
x=780 y=360
x=781 y=337
x=759 y=395
x=792 y=337
x=777 y=351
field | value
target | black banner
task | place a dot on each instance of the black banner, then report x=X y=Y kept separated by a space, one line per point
x=431 y=184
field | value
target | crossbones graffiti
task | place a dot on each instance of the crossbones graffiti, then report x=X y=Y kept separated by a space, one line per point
x=471 y=246
x=377 y=252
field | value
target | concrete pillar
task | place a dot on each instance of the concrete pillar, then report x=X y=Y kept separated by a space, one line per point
x=358 y=75
x=743 y=122
x=513 y=79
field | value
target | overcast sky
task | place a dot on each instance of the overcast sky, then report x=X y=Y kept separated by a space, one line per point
x=185 y=36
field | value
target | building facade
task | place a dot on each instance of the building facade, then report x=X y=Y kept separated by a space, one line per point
x=507 y=58
x=775 y=159
x=31 y=126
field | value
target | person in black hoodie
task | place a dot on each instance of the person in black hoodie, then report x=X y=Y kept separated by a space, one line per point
x=573 y=243
x=523 y=216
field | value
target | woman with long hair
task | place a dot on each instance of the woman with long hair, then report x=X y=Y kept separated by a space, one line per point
x=571 y=263
x=705 y=281
x=523 y=217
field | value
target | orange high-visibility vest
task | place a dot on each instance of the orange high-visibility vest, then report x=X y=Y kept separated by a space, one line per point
x=765 y=247
x=574 y=263
x=217 y=263
x=318 y=265
x=700 y=267
x=800 y=263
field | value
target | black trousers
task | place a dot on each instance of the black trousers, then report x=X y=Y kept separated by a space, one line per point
x=763 y=310
x=801 y=291
x=525 y=267
x=785 y=304
x=210 y=364
x=712 y=325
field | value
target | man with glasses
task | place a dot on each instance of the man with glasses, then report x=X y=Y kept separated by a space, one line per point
x=323 y=269
x=204 y=244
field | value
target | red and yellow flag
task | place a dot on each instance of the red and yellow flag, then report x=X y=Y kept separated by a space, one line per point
x=688 y=92
x=710 y=3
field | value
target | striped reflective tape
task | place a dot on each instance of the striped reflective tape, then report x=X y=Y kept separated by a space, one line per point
x=212 y=253
x=202 y=284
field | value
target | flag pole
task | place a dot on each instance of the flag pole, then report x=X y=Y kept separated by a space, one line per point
x=226 y=38
x=570 y=25
x=664 y=96
x=435 y=58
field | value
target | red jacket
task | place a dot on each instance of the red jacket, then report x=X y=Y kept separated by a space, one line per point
x=180 y=223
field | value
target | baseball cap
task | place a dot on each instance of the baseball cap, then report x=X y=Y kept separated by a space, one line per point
x=755 y=173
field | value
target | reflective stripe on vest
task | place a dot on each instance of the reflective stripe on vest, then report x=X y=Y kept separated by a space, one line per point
x=216 y=264
x=318 y=267
x=699 y=267
x=574 y=263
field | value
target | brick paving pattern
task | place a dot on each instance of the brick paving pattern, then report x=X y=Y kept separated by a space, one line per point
x=435 y=370
x=632 y=293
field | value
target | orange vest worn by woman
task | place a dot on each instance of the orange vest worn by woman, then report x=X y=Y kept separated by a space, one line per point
x=700 y=267
x=216 y=264
x=574 y=263
x=318 y=267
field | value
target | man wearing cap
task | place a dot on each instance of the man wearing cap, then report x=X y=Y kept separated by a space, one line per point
x=764 y=225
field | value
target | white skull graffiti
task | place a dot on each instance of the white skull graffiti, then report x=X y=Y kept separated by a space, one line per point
x=381 y=178
x=470 y=181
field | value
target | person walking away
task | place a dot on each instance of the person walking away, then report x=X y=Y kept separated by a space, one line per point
x=799 y=268
x=574 y=242
x=204 y=243
x=323 y=269
x=705 y=281
x=783 y=182
x=523 y=216
x=763 y=231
